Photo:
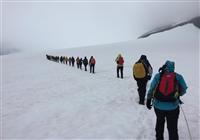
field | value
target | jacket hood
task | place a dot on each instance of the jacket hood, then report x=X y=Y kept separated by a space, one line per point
x=119 y=55
x=143 y=57
x=169 y=66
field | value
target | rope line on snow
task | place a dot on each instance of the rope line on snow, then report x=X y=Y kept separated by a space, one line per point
x=186 y=123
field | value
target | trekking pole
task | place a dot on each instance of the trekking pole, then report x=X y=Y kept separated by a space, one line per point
x=186 y=123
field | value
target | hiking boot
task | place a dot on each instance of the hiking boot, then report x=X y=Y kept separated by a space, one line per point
x=141 y=103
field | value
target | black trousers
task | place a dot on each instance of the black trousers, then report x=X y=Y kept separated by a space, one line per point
x=172 y=123
x=92 y=68
x=85 y=67
x=120 y=69
x=80 y=66
x=142 y=84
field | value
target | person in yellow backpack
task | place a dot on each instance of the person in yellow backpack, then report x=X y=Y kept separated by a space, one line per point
x=142 y=72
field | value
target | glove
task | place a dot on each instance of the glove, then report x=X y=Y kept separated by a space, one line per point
x=148 y=104
x=180 y=102
x=117 y=62
x=149 y=77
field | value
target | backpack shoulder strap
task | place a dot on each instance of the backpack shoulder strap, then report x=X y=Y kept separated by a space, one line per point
x=145 y=66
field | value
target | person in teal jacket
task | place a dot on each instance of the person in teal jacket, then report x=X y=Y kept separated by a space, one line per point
x=169 y=109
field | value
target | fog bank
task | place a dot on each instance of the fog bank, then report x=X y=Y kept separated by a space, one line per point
x=54 y=25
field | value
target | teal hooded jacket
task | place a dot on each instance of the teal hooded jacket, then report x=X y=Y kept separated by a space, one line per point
x=166 y=105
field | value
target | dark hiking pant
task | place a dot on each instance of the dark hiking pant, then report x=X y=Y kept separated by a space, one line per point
x=85 y=67
x=92 y=68
x=172 y=123
x=142 y=84
x=120 y=69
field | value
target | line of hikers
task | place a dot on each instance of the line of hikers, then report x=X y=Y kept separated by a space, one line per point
x=164 y=93
x=71 y=61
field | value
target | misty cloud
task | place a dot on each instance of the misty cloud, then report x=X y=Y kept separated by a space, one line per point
x=51 y=25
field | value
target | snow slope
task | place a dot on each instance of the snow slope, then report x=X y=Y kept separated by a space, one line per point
x=42 y=99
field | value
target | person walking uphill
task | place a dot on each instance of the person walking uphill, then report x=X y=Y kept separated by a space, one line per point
x=77 y=62
x=85 y=63
x=72 y=60
x=80 y=63
x=120 y=65
x=92 y=63
x=142 y=72
x=165 y=90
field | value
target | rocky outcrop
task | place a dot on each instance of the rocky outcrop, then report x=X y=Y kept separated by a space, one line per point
x=195 y=21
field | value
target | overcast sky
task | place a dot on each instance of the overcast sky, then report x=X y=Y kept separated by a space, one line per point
x=54 y=25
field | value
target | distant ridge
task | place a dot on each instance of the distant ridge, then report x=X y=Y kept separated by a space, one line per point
x=195 y=21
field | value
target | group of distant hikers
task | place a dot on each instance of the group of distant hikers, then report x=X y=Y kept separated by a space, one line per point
x=164 y=93
x=71 y=61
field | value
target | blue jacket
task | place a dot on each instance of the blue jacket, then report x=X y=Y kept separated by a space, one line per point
x=166 y=105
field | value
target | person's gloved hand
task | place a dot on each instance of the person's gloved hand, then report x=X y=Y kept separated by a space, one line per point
x=180 y=102
x=148 y=104
x=149 y=77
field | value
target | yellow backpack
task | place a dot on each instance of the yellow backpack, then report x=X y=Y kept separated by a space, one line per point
x=139 y=70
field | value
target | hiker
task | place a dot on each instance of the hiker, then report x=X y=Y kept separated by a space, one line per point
x=80 y=63
x=77 y=62
x=165 y=90
x=66 y=59
x=70 y=61
x=48 y=57
x=142 y=72
x=92 y=63
x=85 y=63
x=73 y=60
x=61 y=59
x=120 y=65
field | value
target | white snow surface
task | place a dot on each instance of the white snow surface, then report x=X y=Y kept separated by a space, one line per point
x=42 y=99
